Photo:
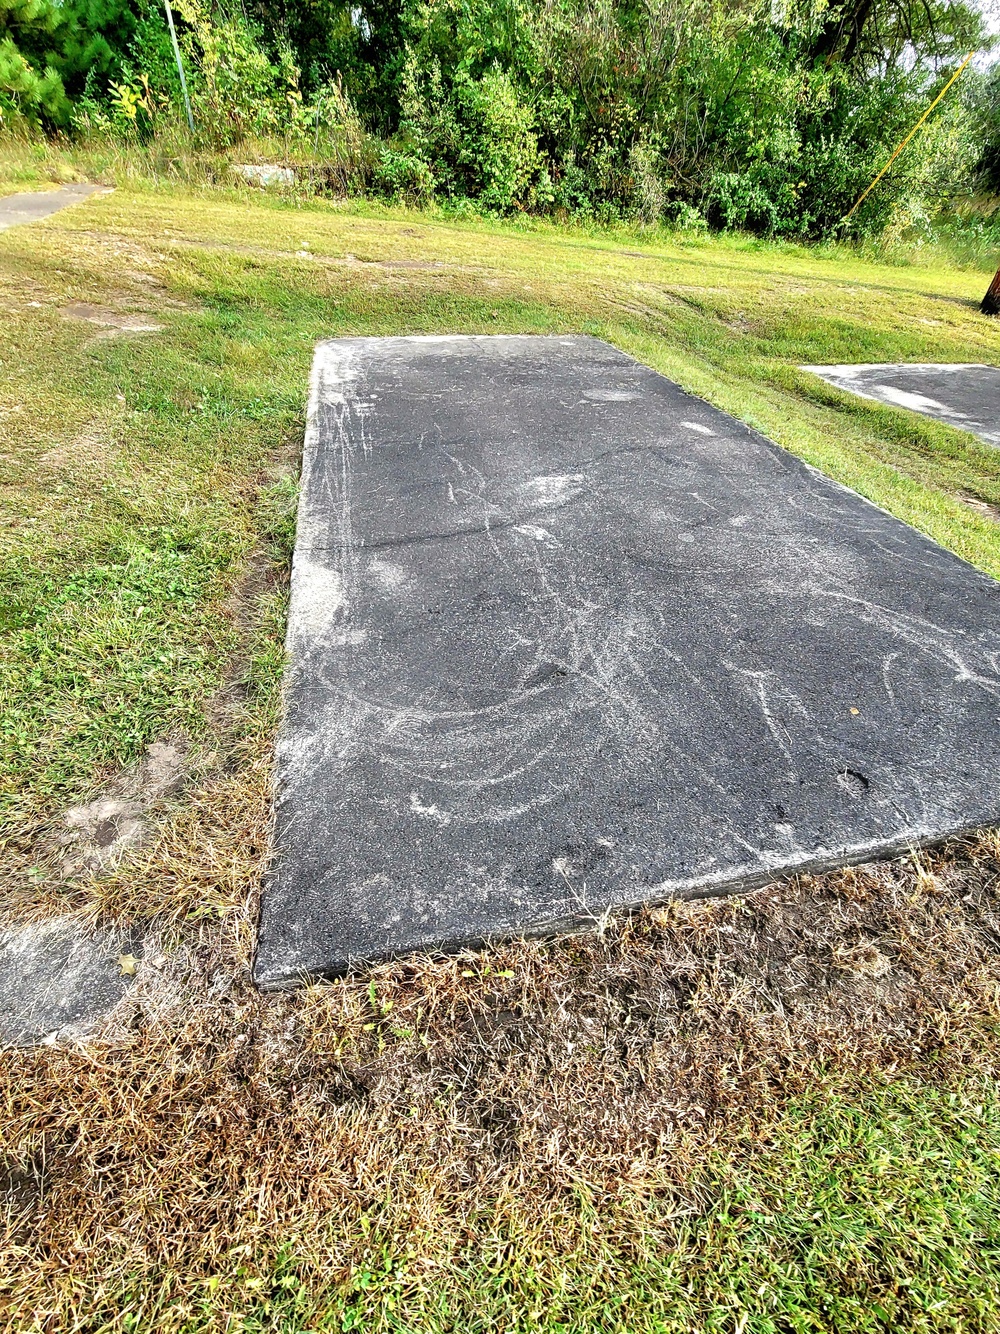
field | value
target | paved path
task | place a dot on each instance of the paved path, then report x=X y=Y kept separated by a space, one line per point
x=564 y=638
x=967 y=396
x=37 y=204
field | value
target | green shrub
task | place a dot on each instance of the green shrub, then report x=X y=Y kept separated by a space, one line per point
x=498 y=152
x=402 y=175
x=772 y=116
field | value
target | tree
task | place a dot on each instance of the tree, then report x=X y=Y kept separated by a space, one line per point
x=50 y=48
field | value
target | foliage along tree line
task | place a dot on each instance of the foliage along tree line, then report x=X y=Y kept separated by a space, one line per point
x=766 y=115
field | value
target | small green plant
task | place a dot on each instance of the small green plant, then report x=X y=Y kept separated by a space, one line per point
x=126 y=100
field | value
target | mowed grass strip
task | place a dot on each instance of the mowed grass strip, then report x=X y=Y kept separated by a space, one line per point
x=774 y=1114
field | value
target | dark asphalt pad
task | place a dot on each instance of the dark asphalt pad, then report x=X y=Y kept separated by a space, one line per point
x=966 y=396
x=564 y=638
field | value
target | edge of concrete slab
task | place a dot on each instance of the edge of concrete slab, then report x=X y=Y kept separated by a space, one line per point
x=924 y=388
x=854 y=368
x=60 y=980
x=683 y=891
x=28 y=206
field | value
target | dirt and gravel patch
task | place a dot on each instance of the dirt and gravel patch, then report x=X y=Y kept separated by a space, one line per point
x=110 y=320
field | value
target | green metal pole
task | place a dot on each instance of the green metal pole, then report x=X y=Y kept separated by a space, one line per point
x=180 y=67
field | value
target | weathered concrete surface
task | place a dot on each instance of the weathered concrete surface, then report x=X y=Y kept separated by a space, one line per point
x=564 y=638
x=57 y=980
x=966 y=396
x=264 y=174
x=37 y=204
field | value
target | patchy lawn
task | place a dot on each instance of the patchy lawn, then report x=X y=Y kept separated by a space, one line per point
x=776 y=1113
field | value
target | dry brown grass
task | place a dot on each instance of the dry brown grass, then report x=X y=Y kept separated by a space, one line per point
x=168 y=1162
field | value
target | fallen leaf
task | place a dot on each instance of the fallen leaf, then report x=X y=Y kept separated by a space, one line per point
x=128 y=963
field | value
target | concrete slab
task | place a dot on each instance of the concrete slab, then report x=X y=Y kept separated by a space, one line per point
x=564 y=638
x=264 y=174
x=964 y=395
x=57 y=980
x=36 y=204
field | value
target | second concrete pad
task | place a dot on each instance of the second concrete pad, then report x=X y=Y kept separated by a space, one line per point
x=963 y=395
x=34 y=205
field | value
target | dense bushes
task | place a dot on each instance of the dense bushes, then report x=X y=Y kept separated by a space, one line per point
x=986 y=112
x=771 y=115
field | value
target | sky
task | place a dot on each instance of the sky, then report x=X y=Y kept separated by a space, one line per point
x=990 y=9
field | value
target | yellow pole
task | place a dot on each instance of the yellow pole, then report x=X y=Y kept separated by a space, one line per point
x=862 y=197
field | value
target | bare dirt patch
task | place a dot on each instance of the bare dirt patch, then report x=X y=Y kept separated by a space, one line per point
x=88 y=450
x=982 y=507
x=110 y=319
x=407 y=263
x=94 y=836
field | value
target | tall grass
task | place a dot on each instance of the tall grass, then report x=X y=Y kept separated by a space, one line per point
x=965 y=234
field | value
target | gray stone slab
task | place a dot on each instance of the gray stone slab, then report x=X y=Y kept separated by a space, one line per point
x=264 y=174
x=58 y=980
x=36 y=204
x=963 y=395
x=564 y=639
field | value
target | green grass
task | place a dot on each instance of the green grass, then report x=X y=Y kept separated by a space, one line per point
x=863 y=1209
x=146 y=500
x=130 y=460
